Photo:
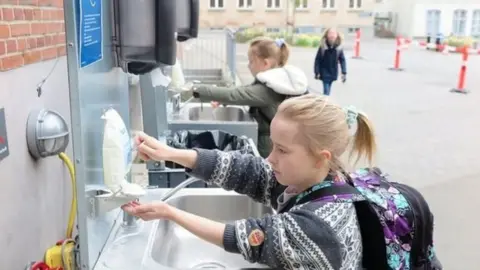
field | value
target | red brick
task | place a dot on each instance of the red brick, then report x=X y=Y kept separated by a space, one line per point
x=19 y=14
x=54 y=27
x=11 y=46
x=3 y=50
x=28 y=14
x=49 y=53
x=20 y=29
x=4 y=31
x=39 y=28
x=61 y=39
x=40 y=42
x=58 y=3
x=7 y=14
x=46 y=15
x=45 y=3
x=32 y=57
x=32 y=43
x=11 y=62
x=37 y=14
x=28 y=2
x=49 y=40
x=21 y=44
x=59 y=15
x=62 y=50
x=9 y=2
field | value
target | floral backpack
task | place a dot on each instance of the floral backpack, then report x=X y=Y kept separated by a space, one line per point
x=395 y=220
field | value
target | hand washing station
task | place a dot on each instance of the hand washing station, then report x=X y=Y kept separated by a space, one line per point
x=98 y=80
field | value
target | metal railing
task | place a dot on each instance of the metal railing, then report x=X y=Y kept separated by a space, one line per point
x=210 y=57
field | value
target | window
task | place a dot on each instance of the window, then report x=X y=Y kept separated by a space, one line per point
x=216 y=4
x=476 y=23
x=433 y=22
x=355 y=4
x=273 y=4
x=326 y=4
x=459 y=22
x=301 y=4
x=246 y=4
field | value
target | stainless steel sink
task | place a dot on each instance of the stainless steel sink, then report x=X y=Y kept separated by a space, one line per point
x=199 y=113
x=176 y=248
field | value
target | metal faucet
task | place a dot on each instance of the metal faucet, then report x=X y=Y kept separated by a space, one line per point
x=129 y=220
x=176 y=98
x=182 y=185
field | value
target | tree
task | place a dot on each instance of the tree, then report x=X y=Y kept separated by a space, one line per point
x=290 y=20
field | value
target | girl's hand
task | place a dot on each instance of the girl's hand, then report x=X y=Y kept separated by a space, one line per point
x=149 y=211
x=215 y=104
x=150 y=148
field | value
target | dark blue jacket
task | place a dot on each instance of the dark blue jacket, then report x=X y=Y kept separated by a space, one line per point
x=326 y=62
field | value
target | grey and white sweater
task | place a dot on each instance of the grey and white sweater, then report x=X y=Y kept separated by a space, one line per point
x=311 y=236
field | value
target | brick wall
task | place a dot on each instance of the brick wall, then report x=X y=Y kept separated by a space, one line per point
x=30 y=31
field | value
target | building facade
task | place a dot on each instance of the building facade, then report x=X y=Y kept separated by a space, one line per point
x=421 y=18
x=310 y=15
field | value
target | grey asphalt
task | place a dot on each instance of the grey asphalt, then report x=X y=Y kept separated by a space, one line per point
x=427 y=136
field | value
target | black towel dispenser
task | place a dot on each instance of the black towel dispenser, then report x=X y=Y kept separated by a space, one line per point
x=188 y=14
x=146 y=31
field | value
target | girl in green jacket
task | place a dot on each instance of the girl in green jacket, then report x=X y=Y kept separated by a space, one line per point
x=274 y=81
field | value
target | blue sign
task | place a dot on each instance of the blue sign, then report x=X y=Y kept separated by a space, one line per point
x=90 y=32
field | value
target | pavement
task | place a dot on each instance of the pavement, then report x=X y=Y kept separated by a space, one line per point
x=427 y=136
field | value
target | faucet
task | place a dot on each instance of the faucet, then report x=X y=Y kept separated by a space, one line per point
x=129 y=220
x=176 y=189
x=177 y=98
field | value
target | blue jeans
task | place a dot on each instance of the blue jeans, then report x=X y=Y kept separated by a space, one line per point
x=327 y=87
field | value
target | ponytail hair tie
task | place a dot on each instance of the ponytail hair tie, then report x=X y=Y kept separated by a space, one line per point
x=280 y=42
x=351 y=115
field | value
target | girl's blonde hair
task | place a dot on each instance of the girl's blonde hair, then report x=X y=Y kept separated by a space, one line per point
x=267 y=48
x=323 y=126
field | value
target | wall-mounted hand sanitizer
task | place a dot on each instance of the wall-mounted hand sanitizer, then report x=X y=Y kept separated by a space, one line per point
x=146 y=31
x=118 y=154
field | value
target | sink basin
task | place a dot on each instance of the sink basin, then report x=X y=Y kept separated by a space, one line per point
x=228 y=114
x=176 y=248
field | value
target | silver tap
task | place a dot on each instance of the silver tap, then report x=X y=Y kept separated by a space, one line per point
x=182 y=185
x=176 y=99
x=129 y=220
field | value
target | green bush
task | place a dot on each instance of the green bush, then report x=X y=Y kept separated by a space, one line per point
x=301 y=40
x=248 y=34
x=459 y=41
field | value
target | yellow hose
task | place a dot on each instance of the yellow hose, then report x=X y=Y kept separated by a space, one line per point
x=73 y=207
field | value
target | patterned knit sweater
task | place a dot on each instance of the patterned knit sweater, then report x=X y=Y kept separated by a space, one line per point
x=311 y=236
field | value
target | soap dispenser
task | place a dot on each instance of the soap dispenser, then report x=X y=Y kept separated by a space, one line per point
x=145 y=34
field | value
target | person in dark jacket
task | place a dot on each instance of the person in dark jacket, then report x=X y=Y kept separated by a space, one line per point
x=329 y=55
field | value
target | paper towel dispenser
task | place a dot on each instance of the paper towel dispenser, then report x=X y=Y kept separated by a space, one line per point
x=146 y=31
x=188 y=12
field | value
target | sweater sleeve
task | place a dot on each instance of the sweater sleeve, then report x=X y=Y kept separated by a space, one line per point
x=245 y=174
x=293 y=240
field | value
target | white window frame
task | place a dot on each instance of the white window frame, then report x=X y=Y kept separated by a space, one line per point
x=245 y=4
x=304 y=4
x=357 y=4
x=274 y=7
x=331 y=4
x=216 y=7
x=459 y=23
x=475 y=31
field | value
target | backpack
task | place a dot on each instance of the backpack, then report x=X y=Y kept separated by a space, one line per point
x=395 y=221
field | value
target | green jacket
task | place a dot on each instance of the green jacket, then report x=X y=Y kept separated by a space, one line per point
x=263 y=97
